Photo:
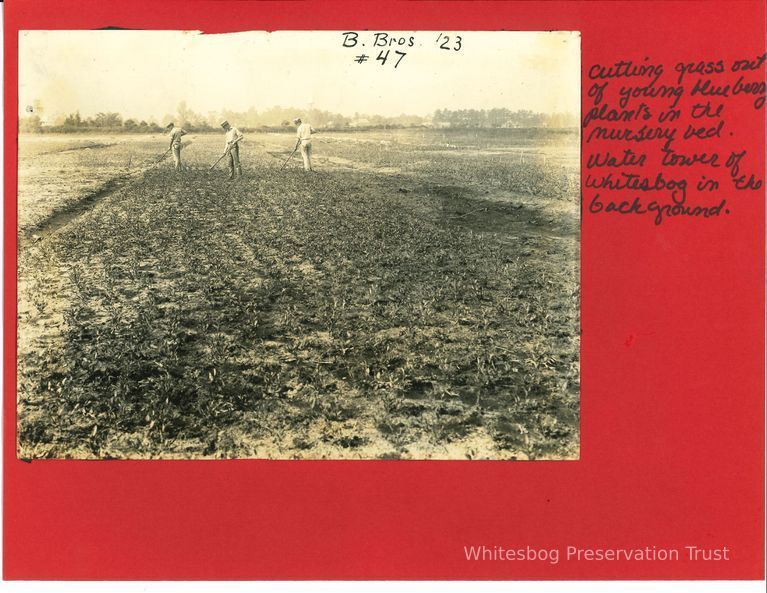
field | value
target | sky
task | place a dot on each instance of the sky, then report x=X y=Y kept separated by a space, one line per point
x=146 y=74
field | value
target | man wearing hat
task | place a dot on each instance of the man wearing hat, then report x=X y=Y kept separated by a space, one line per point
x=175 y=143
x=304 y=133
x=233 y=137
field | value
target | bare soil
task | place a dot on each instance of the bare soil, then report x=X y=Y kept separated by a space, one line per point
x=412 y=299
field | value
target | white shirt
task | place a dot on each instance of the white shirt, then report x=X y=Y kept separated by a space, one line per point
x=176 y=134
x=304 y=133
x=231 y=136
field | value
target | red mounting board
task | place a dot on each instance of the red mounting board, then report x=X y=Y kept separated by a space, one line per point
x=672 y=433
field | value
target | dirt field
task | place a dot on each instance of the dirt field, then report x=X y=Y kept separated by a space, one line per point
x=416 y=297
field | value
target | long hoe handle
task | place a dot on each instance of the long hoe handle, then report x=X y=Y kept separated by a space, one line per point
x=226 y=152
x=219 y=160
x=290 y=157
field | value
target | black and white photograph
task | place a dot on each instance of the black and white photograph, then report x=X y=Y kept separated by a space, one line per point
x=299 y=245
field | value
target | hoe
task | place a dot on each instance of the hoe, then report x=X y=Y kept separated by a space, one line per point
x=291 y=155
x=226 y=152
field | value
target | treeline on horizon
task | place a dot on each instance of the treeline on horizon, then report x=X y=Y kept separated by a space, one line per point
x=278 y=118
